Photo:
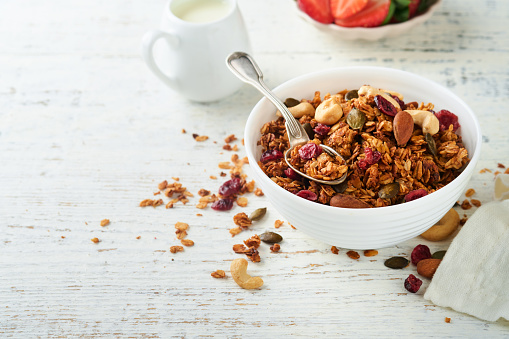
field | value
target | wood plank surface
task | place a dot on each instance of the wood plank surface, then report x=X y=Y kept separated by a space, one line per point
x=87 y=132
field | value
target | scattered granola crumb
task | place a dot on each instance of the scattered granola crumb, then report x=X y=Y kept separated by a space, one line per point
x=176 y=178
x=463 y=221
x=157 y=193
x=275 y=248
x=278 y=223
x=334 y=250
x=181 y=226
x=180 y=234
x=242 y=201
x=175 y=249
x=242 y=220
x=230 y=138
x=235 y=231
x=203 y=192
x=448 y=320
x=62 y=237
x=475 y=202
x=258 y=192
x=370 y=253
x=200 y=137
x=138 y=237
x=223 y=174
x=484 y=170
x=470 y=192
x=353 y=255
x=95 y=240
x=213 y=177
x=187 y=242
x=466 y=205
x=150 y=202
x=506 y=171
x=162 y=185
x=183 y=131
x=239 y=248
x=242 y=141
x=235 y=148
x=105 y=222
x=224 y=165
x=169 y=205
x=496 y=173
x=218 y=274
x=293 y=227
x=499 y=165
x=227 y=147
x=199 y=215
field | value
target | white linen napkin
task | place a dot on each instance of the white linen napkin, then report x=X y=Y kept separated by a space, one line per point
x=473 y=277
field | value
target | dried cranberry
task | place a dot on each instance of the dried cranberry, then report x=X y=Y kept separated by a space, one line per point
x=412 y=283
x=399 y=101
x=415 y=194
x=371 y=157
x=446 y=119
x=231 y=187
x=310 y=151
x=290 y=173
x=385 y=106
x=270 y=155
x=306 y=194
x=419 y=253
x=321 y=129
x=222 y=205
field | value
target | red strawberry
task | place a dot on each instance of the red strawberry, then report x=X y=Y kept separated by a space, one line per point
x=318 y=10
x=412 y=8
x=373 y=15
x=342 y=9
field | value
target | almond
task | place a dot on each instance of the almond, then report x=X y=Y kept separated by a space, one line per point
x=403 y=127
x=347 y=201
x=428 y=267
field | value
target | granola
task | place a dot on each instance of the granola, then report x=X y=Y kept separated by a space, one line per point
x=427 y=161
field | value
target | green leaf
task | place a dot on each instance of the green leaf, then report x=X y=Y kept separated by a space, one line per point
x=401 y=14
x=401 y=3
x=390 y=13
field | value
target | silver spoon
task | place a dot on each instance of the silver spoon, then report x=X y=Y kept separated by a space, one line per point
x=245 y=68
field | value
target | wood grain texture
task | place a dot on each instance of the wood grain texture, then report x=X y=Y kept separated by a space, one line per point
x=87 y=132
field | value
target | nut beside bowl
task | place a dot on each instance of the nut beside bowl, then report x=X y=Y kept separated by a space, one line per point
x=374 y=227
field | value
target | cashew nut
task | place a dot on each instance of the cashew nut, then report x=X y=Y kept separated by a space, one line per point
x=444 y=228
x=238 y=270
x=329 y=111
x=427 y=120
x=369 y=91
x=300 y=110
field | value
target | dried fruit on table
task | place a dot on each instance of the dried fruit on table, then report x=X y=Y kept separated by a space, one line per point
x=222 y=205
x=419 y=253
x=412 y=283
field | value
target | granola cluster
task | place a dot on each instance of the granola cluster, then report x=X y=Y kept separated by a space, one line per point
x=375 y=160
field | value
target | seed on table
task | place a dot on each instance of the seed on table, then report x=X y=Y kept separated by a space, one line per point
x=438 y=255
x=271 y=237
x=258 y=214
x=397 y=263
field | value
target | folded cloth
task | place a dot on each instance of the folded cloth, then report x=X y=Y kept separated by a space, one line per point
x=473 y=277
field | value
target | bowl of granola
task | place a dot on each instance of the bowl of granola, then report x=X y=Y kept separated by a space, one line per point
x=410 y=145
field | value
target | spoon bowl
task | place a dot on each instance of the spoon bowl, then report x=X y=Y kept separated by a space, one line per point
x=245 y=68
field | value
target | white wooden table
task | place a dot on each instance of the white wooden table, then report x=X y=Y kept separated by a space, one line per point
x=86 y=133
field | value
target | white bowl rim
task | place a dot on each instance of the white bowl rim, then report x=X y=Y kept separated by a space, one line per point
x=376 y=210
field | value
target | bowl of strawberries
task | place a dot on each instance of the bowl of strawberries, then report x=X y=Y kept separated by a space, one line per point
x=366 y=19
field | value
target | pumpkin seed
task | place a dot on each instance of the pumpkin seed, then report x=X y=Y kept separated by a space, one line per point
x=341 y=188
x=397 y=263
x=271 y=237
x=432 y=146
x=389 y=191
x=438 y=255
x=258 y=214
x=309 y=130
x=351 y=94
x=355 y=119
x=290 y=102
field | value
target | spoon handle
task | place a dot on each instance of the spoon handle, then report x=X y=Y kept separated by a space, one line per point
x=245 y=68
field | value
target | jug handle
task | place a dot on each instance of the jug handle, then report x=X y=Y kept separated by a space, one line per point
x=148 y=41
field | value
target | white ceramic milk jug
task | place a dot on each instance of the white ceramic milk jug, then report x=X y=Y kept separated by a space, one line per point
x=189 y=50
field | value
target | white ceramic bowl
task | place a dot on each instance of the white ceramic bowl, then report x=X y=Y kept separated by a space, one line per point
x=371 y=33
x=375 y=227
